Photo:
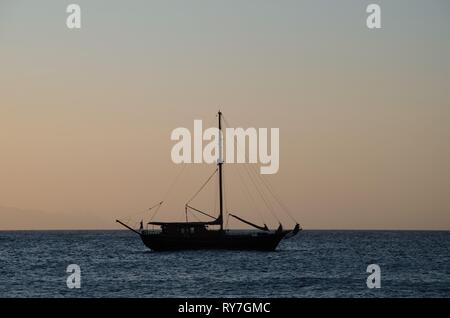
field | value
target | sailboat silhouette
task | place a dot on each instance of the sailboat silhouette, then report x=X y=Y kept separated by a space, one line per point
x=200 y=235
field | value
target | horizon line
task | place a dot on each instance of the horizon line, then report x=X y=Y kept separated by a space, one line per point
x=234 y=229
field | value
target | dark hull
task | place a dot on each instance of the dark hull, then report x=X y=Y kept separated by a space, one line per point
x=215 y=240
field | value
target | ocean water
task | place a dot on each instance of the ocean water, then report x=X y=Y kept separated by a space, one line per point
x=312 y=264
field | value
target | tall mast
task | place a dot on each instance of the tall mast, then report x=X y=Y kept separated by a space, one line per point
x=219 y=163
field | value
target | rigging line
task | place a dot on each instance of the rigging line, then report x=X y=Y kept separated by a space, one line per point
x=157 y=209
x=199 y=211
x=252 y=200
x=127 y=220
x=195 y=216
x=272 y=193
x=131 y=218
x=201 y=188
x=225 y=121
x=140 y=212
x=225 y=200
x=226 y=185
x=225 y=194
x=268 y=205
x=269 y=187
x=258 y=185
x=248 y=196
x=171 y=186
x=228 y=218
x=224 y=191
x=174 y=182
x=153 y=206
x=158 y=205
x=215 y=196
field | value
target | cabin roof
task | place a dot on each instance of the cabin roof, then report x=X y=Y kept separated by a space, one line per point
x=179 y=223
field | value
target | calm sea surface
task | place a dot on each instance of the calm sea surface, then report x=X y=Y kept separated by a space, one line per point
x=312 y=264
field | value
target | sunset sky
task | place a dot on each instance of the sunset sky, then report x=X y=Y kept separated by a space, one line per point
x=86 y=115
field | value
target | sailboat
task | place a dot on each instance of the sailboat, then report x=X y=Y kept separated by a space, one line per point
x=198 y=235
